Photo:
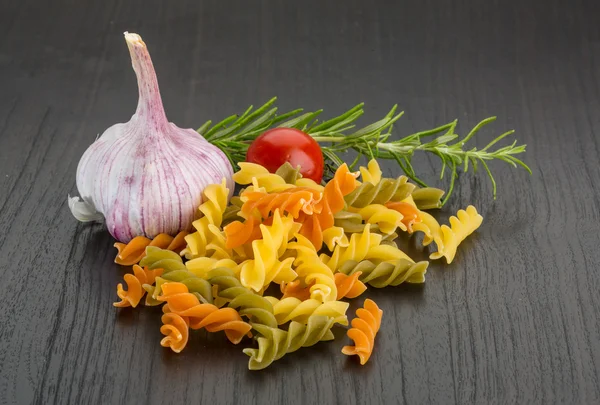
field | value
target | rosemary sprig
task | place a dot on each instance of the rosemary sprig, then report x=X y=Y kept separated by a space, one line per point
x=234 y=134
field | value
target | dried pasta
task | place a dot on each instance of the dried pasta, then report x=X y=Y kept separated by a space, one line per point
x=266 y=267
x=288 y=173
x=173 y=270
x=293 y=309
x=461 y=226
x=322 y=243
x=256 y=308
x=134 y=293
x=231 y=212
x=332 y=201
x=386 y=273
x=380 y=193
x=427 y=198
x=364 y=329
x=251 y=172
x=208 y=241
x=311 y=270
x=335 y=236
x=176 y=331
x=388 y=220
x=348 y=286
x=198 y=315
x=410 y=213
x=132 y=252
x=371 y=173
x=274 y=343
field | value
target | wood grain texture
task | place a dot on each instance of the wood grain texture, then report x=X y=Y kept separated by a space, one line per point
x=515 y=319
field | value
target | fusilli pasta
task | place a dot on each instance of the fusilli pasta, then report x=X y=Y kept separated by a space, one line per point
x=410 y=213
x=380 y=193
x=288 y=173
x=251 y=173
x=451 y=236
x=348 y=286
x=364 y=328
x=174 y=270
x=312 y=271
x=274 y=343
x=371 y=173
x=208 y=241
x=181 y=302
x=176 y=331
x=132 y=252
x=135 y=281
x=256 y=308
x=266 y=267
x=427 y=198
x=293 y=309
x=386 y=273
x=388 y=220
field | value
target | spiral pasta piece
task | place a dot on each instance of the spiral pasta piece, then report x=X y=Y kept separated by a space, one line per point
x=292 y=309
x=371 y=173
x=461 y=226
x=359 y=246
x=132 y=252
x=380 y=193
x=185 y=304
x=205 y=240
x=335 y=236
x=310 y=184
x=231 y=212
x=364 y=329
x=252 y=173
x=288 y=173
x=173 y=270
x=291 y=201
x=135 y=281
x=386 y=274
x=312 y=271
x=176 y=331
x=256 y=308
x=274 y=343
x=410 y=213
x=348 y=286
x=265 y=266
x=387 y=219
x=427 y=198
x=199 y=286
x=332 y=201
x=352 y=222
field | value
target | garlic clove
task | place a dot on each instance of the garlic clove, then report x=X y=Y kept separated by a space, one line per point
x=146 y=176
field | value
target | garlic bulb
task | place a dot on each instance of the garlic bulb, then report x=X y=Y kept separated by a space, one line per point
x=146 y=176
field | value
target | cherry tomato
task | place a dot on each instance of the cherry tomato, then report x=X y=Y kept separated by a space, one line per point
x=279 y=145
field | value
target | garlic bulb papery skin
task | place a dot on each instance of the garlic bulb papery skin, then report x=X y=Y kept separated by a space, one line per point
x=146 y=176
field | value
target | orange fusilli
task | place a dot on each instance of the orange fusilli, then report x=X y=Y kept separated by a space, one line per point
x=364 y=328
x=134 y=251
x=134 y=293
x=185 y=304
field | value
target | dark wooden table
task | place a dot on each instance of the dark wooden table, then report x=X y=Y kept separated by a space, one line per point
x=515 y=319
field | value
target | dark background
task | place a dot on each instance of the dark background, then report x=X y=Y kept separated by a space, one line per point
x=515 y=319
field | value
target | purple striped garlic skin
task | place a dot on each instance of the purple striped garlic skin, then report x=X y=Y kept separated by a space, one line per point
x=146 y=176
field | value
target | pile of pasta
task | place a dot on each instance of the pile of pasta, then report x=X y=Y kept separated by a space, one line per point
x=277 y=263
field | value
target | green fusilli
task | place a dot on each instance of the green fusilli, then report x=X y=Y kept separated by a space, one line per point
x=274 y=343
x=386 y=273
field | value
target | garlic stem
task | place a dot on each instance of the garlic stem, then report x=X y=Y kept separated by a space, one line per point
x=150 y=107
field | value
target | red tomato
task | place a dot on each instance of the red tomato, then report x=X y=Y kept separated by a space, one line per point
x=280 y=145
